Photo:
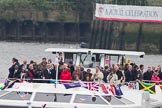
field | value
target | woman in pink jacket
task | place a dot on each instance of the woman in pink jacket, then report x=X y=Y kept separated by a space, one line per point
x=155 y=77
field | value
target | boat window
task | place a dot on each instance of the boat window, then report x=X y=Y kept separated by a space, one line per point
x=3 y=92
x=152 y=100
x=88 y=99
x=70 y=57
x=124 y=100
x=12 y=107
x=17 y=96
x=90 y=61
x=53 y=97
x=113 y=60
x=117 y=100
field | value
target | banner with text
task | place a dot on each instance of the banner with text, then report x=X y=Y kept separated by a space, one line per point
x=129 y=13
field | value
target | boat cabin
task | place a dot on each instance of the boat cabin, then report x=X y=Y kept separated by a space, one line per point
x=90 y=58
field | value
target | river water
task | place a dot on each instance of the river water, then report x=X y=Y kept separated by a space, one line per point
x=35 y=51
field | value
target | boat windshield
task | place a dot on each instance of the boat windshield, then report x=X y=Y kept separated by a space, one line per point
x=16 y=95
x=117 y=100
x=3 y=92
x=53 y=97
x=88 y=99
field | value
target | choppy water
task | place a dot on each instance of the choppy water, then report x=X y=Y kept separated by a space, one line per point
x=35 y=51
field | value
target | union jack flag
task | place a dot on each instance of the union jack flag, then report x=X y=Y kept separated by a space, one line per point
x=108 y=89
x=90 y=86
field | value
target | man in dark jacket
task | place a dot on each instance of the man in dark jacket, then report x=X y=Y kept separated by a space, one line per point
x=119 y=73
x=128 y=74
x=106 y=72
x=71 y=66
x=148 y=74
x=140 y=72
x=12 y=68
x=49 y=73
x=134 y=73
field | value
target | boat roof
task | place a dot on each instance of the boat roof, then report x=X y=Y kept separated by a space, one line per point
x=95 y=51
x=24 y=95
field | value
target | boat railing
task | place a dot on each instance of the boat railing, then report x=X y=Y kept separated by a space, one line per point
x=46 y=80
x=74 y=81
x=149 y=81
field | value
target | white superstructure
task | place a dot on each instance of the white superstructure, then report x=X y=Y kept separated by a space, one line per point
x=90 y=58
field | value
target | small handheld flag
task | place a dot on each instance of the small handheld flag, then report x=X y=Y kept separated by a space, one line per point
x=118 y=91
x=7 y=84
x=108 y=89
x=90 y=86
x=71 y=85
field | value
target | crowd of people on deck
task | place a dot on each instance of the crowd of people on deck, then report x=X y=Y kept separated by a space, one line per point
x=67 y=71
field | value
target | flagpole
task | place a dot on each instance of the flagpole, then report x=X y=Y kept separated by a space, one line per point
x=57 y=65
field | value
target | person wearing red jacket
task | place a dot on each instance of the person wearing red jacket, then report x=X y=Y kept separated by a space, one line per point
x=65 y=75
x=155 y=77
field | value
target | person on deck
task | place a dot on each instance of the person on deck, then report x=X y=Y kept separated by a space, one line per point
x=24 y=67
x=88 y=78
x=71 y=66
x=89 y=74
x=106 y=72
x=155 y=77
x=153 y=68
x=98 y=75
x=140 y=72
x=51 y=64
x=17 y=72
x=12 y=68
x=38 y=72
x=119 y=73
x=49 y=72
x=31 y=73
x=128 y=74
x=77 y=72
x=65 y=74
x=159 y=72
x=148 y=74
x=112 y=77
x=43 y=63
x=135 y=72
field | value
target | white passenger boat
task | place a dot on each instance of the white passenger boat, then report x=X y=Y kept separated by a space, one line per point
x=43 y=95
